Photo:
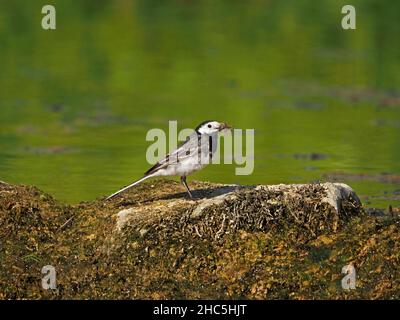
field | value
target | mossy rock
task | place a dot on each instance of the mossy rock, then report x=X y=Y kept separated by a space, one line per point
x=231 y=242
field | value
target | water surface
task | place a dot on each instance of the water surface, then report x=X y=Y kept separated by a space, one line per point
x=76 y=103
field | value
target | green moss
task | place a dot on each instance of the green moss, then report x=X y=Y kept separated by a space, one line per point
x=254 y=247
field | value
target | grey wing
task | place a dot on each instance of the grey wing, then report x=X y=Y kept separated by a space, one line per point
x=190 y=146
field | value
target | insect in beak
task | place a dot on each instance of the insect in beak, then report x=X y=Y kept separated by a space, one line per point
x=223 y=126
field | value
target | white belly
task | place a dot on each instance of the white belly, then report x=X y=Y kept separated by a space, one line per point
x=183 y=168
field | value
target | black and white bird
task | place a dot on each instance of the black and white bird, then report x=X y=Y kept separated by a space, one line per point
x=194 y=154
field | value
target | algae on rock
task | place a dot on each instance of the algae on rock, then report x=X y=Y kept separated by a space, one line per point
x=264 y=242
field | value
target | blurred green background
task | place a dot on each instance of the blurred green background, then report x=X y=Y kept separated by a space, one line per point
x=76 y=103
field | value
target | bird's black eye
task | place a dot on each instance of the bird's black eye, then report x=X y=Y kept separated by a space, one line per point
x=209 y=126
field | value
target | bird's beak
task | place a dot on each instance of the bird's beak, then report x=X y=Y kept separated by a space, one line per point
x=223 y=126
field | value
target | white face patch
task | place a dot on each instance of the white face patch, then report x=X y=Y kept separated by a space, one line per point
x=210 y=127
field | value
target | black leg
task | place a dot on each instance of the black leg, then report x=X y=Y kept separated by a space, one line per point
x=183 y=180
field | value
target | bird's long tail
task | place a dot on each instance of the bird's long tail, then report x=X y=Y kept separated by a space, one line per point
x=130 y=186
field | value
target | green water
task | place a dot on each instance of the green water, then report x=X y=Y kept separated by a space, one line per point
x=76 y=102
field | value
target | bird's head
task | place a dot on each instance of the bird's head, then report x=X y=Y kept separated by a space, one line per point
x=211 y=127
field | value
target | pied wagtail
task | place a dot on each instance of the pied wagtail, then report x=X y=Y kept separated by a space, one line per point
x=194 y=154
